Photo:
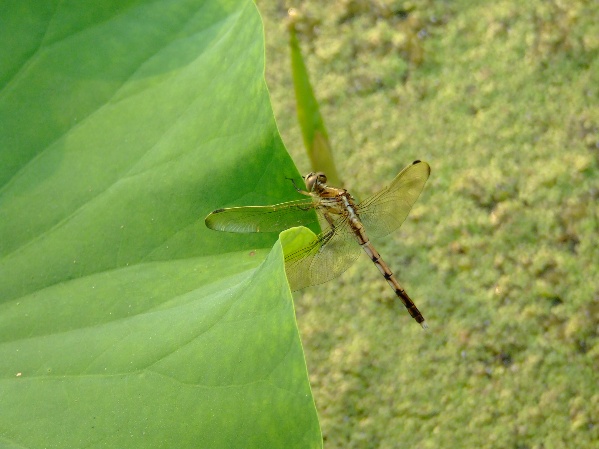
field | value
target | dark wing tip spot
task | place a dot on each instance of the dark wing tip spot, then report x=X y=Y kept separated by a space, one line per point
x=217 y=211
x=418 y=161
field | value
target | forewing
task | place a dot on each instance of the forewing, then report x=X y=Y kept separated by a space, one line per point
x=274 y=218
x=324 y=258
x=385 y=211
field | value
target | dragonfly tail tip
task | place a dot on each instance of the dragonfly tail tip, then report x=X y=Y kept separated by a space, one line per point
x=424 y=325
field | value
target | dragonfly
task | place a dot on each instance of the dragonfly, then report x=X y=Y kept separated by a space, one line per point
x=344 y=224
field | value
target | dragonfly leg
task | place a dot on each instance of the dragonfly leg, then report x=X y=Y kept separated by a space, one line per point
x=303 y=192
x=329 y=219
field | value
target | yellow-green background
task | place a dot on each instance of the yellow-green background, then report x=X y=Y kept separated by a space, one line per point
x=499 y=253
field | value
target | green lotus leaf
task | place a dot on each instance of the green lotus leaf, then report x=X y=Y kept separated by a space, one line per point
x=124 y=322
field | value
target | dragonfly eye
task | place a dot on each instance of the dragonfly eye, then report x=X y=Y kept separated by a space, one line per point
x=310 y=179
x=314 y=178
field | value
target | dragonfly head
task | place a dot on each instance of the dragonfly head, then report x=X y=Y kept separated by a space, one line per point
x=314 y=179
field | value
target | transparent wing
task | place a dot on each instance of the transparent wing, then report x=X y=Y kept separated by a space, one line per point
x=385 y=211
x=275 y=218
x=324 y=258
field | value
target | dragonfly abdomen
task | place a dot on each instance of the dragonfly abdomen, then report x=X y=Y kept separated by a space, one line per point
x=393 y=283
